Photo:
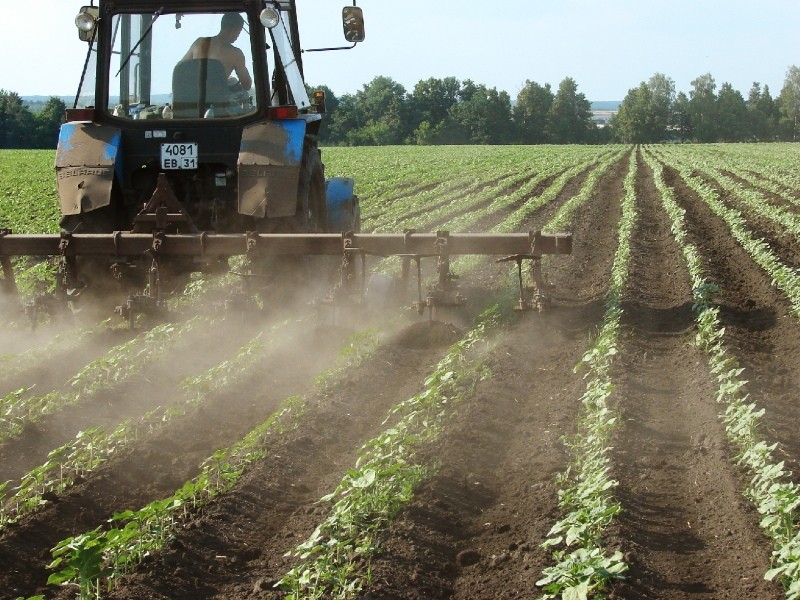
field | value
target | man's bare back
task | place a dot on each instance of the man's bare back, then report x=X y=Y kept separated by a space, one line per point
x=220 y=47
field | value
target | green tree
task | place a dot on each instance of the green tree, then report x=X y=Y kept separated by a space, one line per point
x=48 y=122
x=430 y=105
x=635 y=121
x=17 y=126
x=662 y=90
x=570 y=116
x=530 y=113
x=732 y=119
x=482 y=116
x=789 y=105
x=385 y=112
x=645 y=113
x=345 y=121
x=680 y=123
x=762 y=113
x=703 y=108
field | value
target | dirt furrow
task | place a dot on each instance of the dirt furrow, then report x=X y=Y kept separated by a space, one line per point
x=758 y=185
x=782 y=242
x=491 y=220
x=156 y=466
x=759 y=330
x=55 y=368
x=487 y=222
x=474 y=530
x=155 y=385
x=249 y=530
x=685 y=527
x=235 y=549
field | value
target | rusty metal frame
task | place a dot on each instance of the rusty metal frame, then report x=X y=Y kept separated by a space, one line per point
x=159 y=246
x=124 y=244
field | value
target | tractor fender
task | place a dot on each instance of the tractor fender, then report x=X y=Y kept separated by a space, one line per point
x=270 y=157
x=87 y=156
x=344 y=212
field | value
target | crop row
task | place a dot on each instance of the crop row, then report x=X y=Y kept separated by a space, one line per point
x=332 y=559
x=750 y=198
x=770 y=489
x=770 y=162
x=118 y=365
x=585 y=489
x=783 y=276
x=486 y=199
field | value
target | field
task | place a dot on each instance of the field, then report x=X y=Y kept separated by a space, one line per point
x=637 y=439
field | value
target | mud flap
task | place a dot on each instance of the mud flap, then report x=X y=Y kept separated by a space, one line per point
x=86 y=159
x=269 y=168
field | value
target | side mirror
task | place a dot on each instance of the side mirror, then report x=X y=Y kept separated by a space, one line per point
x=86 y=22
x=353 y=23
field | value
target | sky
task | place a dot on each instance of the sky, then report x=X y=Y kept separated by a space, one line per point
x=607 y=47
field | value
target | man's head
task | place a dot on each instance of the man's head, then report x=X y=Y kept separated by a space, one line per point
x=231 y=25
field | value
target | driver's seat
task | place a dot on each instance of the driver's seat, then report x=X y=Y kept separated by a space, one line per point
x=196 y=85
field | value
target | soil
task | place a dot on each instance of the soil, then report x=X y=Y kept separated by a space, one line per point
x=474 y=528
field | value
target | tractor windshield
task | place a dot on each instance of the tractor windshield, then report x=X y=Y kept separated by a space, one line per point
x=181 y=66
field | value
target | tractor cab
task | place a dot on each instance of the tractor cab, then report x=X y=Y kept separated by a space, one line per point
x=195 y=60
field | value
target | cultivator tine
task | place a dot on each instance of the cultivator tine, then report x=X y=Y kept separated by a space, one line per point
x=420 y=303
x=67 y=283
x=148 y=301
x=443 y=293
x=345 y=289
x=9 y=282
x=532 y=297
x=9 y=294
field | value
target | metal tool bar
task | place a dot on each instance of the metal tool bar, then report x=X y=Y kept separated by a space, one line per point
x=208 y=244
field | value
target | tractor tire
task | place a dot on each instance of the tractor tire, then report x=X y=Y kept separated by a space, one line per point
x=311 y=215
x=312 y=209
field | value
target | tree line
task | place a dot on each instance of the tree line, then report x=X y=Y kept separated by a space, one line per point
x=451 y=111
x=21 y=128
x=653 y=112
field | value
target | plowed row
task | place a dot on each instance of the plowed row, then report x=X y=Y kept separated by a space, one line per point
x=474 y=527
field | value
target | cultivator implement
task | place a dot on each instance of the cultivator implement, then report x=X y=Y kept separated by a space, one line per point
x=156 y=249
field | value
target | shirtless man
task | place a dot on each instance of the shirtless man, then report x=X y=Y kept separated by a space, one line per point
x=220 y=47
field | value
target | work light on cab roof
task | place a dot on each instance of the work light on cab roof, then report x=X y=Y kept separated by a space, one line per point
x=269 y=17
x=86 y=22
x=192 y=139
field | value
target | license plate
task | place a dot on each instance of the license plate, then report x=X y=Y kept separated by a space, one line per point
x=179 y=156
